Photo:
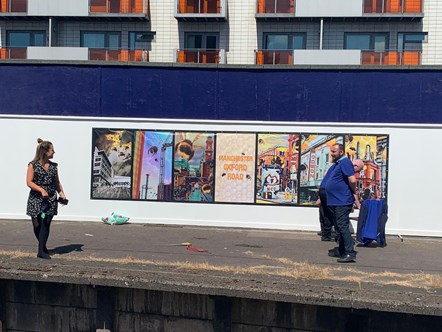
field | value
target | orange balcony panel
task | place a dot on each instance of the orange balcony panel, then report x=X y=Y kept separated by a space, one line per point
x=3 y=6
x=390 y=58
x=198 y=56
x=413 y=6
x=259 y=58
x=393 y=6
x=3 y=54
x=199 y=6
x=411 y=58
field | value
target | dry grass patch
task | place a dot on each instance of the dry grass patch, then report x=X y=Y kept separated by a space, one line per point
x=285 y=267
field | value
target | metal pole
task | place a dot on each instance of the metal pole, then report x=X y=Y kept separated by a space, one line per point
x=50 y=32
x=321 y=33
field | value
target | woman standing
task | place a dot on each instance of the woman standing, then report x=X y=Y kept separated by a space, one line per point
x=42 y=178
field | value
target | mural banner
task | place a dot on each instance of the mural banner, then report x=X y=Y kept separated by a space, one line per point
x=236 y=168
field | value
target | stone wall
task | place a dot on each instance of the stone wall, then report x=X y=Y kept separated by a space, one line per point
x=37 y=306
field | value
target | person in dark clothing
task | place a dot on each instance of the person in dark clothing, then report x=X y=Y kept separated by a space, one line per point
x=325 y=215
x=340 y=189
x=42 y=179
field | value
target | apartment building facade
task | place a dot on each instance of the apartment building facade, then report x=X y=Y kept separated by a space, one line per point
x=244 y=32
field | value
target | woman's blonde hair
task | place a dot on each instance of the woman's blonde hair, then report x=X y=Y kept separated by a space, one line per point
x=42 y=148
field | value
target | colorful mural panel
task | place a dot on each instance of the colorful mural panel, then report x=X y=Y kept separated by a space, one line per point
x=276 y=175
x=373 y=150
x=315 y=161
x=112 y=163
x=152 y=179
x=193 y=172
x=235 y=168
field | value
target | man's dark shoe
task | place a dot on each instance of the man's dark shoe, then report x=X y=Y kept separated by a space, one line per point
x=334 y=252
x=44 y=256
x=346 y=259
x=326 y=239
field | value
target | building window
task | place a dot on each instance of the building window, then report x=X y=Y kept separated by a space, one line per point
x=26 y=38
x=101 y=40
x=377 y=42
x=411 y=41
x=205 y=41
x=284 y=41
x=140 y=40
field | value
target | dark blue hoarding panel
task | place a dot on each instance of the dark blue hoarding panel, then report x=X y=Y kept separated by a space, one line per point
x=377 y=96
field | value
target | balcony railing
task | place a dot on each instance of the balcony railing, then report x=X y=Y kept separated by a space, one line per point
x=391 y=58
x=119 y=7
x=276 y=7
x=387 y=58
x=199 y=6
x=200 y=56
x=118 y=55
x=274 y=57
x=392 y=6
x=16 y=53
x=13 y=6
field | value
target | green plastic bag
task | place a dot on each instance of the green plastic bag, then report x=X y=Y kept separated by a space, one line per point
x=115 y=219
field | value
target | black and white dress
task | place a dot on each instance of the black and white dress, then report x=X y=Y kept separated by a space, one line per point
x=47 y=180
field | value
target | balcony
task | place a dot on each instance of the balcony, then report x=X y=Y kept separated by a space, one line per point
x=337 y=57
x=200 y=10
x=119 y=7
x=118 y=55
x=201 y=56
x=401 y=7
x=13 y=6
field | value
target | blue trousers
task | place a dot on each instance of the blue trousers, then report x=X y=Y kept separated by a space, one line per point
x=341 y=220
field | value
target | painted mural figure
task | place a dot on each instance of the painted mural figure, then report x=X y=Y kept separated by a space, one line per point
x=42 y=178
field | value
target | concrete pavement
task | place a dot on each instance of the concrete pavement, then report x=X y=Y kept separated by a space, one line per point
x=405 y=276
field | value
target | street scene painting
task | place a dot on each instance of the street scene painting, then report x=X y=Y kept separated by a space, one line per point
x=277 y=169
x=152 y=170
x=373 y=150
x=111 y=163
x=314 y=163
x=235 y=168
x=193 y=167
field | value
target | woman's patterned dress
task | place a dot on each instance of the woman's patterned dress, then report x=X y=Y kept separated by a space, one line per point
x=47 y=180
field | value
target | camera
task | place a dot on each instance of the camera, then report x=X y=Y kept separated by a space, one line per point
x=63 y=201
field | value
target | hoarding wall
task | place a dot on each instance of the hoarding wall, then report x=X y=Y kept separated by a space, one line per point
x=136 y=140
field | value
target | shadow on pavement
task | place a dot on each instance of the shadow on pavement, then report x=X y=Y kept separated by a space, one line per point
x=66 y=249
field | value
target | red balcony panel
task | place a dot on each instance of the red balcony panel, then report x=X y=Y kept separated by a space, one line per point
x=118 y=55
x=14 y=53
x=284 y=57
x=276 y=6
x=199 y=6
x=97 y=55
x=198 y=56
